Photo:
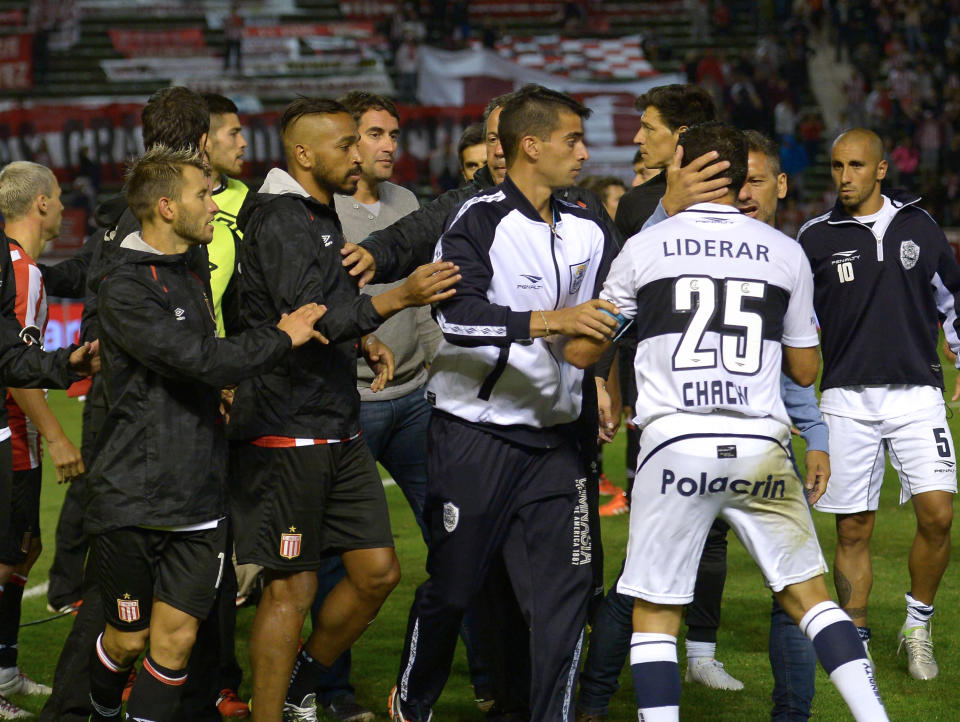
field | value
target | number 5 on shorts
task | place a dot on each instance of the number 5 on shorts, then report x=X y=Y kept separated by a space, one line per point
x=943 y=442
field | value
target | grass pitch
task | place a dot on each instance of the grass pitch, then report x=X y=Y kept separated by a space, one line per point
x=742 y=643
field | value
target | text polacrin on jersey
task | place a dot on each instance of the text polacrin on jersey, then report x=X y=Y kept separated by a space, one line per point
x=768 y=488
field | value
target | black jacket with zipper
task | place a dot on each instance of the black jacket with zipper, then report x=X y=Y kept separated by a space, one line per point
x=874 y=297
x=398 y=249
x=161 y=456
x=290 y=256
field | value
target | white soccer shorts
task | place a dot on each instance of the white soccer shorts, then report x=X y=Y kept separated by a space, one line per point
x=694 y=467
x=920 y=448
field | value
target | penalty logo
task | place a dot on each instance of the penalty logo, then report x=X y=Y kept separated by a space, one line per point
x=909 y=253
x=290 y=544
x=577 y=273
x=451 y=516
x=128 y=609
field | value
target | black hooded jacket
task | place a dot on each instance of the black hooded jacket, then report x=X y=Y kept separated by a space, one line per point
x=290 y=256
x=161 y=456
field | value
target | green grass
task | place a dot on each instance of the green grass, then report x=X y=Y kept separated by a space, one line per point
x=742 y=644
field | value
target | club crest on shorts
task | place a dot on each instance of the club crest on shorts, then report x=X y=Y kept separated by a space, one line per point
x=290 y=544
x=909 y=253
x=128 y=609
x=451 y=516
x=577 y=272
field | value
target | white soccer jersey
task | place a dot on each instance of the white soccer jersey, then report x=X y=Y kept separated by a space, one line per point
x=714 y=294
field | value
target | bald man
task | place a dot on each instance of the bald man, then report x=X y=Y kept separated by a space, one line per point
x=306 y=486
x=880 y=263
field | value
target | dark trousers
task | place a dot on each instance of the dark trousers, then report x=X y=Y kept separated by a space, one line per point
x=396 y=433
x=70 y=553
x=489 y=499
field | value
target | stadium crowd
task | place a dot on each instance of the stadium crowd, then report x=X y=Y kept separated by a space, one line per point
x=255 y=352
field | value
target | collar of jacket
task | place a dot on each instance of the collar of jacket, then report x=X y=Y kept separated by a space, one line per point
x=483 y=178
x=522 y=203
x=899 y=198
x=280 y=183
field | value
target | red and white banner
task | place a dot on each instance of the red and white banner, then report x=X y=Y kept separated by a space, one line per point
x=16 y=62
x=63 y=324
x=156 y=43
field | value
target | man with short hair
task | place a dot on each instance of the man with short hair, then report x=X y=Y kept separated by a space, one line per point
x=394 y=418
x=296 y=430
x=472 y=151
x=505 y=475
x=714 y=312
x=156 y=501
x=31 y=206
x=877 y=260
x=666 y=111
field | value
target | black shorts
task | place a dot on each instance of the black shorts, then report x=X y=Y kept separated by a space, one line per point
x=134 y=566
x=293 y=507
x=24 y=512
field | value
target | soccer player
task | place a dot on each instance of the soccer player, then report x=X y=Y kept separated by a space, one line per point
x=718 y=300
x=393 y=418
x=156 y=487
x=876 y=258
x=31 y=206
x=178 y=118
x=504 y=473
x=667 y=111
x=792 y=657
x=296 y=430
x=472 y=151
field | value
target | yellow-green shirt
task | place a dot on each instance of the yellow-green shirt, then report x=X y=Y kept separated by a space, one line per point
x=222 y=249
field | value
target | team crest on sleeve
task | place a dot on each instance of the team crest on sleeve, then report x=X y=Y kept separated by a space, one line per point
x=290 y=544
x=577 y=272
x=909 y=253
x=128 y=609
x=451 y=516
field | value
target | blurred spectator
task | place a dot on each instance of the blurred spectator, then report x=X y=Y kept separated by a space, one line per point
x=608 y=189
x=698 y=13
x=746 y=106
x=720 y=18
x=233 y=39
x=906 y=158
x=785 y=119
x=89 y=169
x=794 y=161
x=444 y=167
x=810 y=130
x=472 y=151
x=930 y=142
x=641 y=174
x=407 y=61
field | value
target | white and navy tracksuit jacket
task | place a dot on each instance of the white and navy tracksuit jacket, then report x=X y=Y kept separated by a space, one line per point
x=487 y=369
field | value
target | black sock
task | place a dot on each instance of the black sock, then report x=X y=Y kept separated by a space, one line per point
x=306 y=677
x=107 y=679
x=10 y=604
x=156 y=693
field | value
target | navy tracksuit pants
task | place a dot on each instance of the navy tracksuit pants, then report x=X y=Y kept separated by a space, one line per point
x=491 y=498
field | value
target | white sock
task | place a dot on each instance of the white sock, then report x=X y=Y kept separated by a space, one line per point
x=918 y=613
x=841 y=652
x=700 y=650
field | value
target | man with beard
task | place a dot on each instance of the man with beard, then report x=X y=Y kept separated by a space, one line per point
x=393 y=419
x=156 y=489
x=305 y=486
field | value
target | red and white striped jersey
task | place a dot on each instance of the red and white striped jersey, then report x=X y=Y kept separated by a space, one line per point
x=31 y=310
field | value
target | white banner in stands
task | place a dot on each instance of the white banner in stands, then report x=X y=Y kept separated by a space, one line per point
x=444 y=76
